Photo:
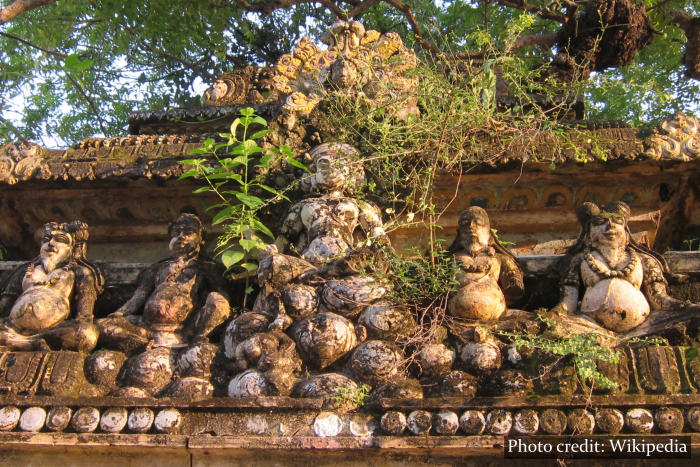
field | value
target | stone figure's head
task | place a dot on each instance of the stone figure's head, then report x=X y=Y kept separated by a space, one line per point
x=332 y=169
x=608 y=227
x=57 y=241
x=186 y=235
x=474 y=230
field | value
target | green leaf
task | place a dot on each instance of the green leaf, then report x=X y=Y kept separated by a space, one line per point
x=251 y=201
x=261 y=133
x=74 y=63
x=188 y=174
x=247 y=111
x=259 y=120
x=231 y=257
x=250 y=244
x=204 y=189
x=250 y=267
x=234 y=126
x=222 y=215
x=260 y=227
x=297 y=164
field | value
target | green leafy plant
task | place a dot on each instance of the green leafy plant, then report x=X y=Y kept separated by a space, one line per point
x=236 y=172
x=352 y=396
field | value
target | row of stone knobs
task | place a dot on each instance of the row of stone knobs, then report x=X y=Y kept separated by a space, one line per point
x=89 y=419
x=549 y=421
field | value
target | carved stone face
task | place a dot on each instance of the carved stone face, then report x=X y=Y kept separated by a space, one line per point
x=185 y=240
x=474 y=228
x=56 y=249
x=329 y=176
x=608 y=230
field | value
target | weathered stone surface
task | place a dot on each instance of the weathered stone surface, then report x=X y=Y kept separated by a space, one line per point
x=150 y=371
x=376 y=362
x=526 y=422
x=336 y=389
x=446 y=423
x=32 y=419
x=140 y=420
x=507 y=383
x=300 y=300
x=58 y=418
x=386 y=321
x=480 y=358
x=102 y=368
x=348 y=297
x=616 y=372
x=499 y=422
x=168 y=421
x=327 y=424
x=693 y=418
x=419 y=422
x=435 y=360
x=85 y=420
x=189 y=387
x=560 y=379
x=250 y=383
x=609 y=420
x=553 y=421
x=361 y=425
x=472 y=422
x=459 y=384
x=657 y=369
x=393 y=423
x=581 y=422
x=323 y=339
x=408 y=388
x=669 y=420
x=9 y=418
x=113 y=420
x=639 y=421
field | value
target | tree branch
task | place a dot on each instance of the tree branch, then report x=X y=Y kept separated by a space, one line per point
x=53 y=53
x=523 y=5
x=18 y=7
x=361 y=8
x=89 y=100
x=415 y=27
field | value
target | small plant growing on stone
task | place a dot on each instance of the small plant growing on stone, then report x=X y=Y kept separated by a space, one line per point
x=236 y=172
x=352 y=396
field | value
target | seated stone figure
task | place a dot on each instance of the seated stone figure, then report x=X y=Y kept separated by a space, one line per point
x=621 y=283
x=178 y=301
x=488 y=275
x=49 y=302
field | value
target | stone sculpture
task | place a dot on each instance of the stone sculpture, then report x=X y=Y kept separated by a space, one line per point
x=488 y=275
x=316 y=292
x=178 y=302
x=621 y=283
x=49 y=302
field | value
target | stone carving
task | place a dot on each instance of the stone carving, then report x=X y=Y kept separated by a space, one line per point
x=317 y=294
x=48 y=303
x=20 y=161
x=675 y=139
x=361 y=63
x=488 y=275
x=622 y=282
x=178 y=302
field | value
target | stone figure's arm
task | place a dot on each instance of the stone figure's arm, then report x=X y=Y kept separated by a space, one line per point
x=11 y=288
x=146 y=283
x=656 y=289
x=370 y=220
x=292 y=226
x=511 y=279
x=569 y=290
x=84 y=295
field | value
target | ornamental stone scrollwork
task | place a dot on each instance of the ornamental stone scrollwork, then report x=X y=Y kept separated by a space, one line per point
x=21 y=161
x=677 y=138
x=620 y=283
x=360 y=63
x=48 y=303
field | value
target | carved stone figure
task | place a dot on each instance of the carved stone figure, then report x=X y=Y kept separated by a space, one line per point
x=178 y=302
x=49 y=302
x=620 y=283
x=317 y=286
x=488 y=275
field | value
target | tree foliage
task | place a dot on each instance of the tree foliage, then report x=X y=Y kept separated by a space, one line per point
x=73 y=69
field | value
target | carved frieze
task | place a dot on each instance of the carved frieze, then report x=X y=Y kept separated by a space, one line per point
x=677 y=138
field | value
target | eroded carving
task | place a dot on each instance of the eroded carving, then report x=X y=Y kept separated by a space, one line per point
x=621 y=283
x=675 y=139
x=49 y=302
x=178 y=302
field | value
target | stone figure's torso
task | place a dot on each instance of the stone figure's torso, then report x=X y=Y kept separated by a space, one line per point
x=615 y=302
x=174 y=296
x=329 y=224
x=479 y=297
x=45 y=300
